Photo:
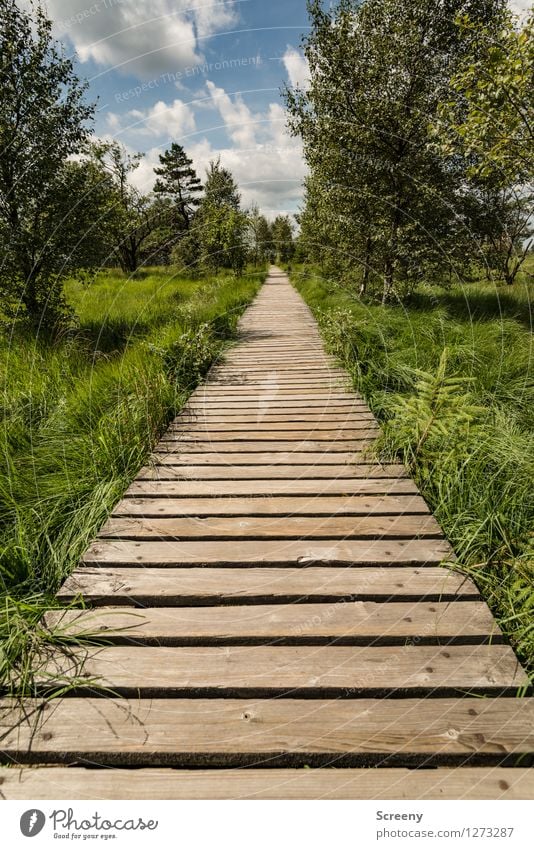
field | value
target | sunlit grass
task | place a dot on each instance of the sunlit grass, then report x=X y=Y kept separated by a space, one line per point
x=80 y=416
x=476 y=479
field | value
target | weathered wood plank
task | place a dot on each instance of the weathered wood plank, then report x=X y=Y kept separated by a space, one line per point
x=261 y=527
x=181 y=446
x=316 y=670
x=326 y=429
x=280 y=506
x=269 y=403
x=269 y=472
x=246 y=387
x=77 y=783
x=292 y=552
x=155 y=586
x=350 y=621
x=284 y=398
x=259 y=458
x=178 y=731
x=363 y=486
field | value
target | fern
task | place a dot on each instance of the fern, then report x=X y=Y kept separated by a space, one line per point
x=438 y=418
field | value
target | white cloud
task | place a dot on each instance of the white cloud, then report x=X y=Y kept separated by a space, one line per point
x=162 y=119
x=520 y=7
x=238 y=118
x=145 y=39
x=297 y=67
x=266 y=162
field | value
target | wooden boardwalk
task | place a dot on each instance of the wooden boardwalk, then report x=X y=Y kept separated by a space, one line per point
x=271 y=598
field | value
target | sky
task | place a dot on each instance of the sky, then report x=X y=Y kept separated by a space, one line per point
x=204 y=73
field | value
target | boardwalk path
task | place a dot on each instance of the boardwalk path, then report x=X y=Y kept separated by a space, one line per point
x=272 y=599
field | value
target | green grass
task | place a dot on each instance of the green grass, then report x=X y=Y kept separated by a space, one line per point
x=80 y=416
x=466 y=430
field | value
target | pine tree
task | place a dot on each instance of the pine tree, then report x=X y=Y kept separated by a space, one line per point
x=179 y=182
x=221 y=224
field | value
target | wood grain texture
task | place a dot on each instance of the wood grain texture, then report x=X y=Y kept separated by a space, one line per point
x=287 y=506
x=348 y=621
x=273 y=473
x=317 y=670
x=177 y=731
x=260 y=458
x=288 y=527
x=207 y=585
x=181 y=446
x=290 y=784
x=292 y=552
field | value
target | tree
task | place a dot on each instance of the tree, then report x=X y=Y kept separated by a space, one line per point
x=488 y=121
x=505 y=229
x=220 y=223
x=282 y=237
x=383 y=198
x=261 y=247
x=43 y=122
x=178 y=183
x=137 y=216
x=489 y=115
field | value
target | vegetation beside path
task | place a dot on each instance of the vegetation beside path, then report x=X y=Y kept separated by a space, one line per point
x=80 y=416
x=451 y=378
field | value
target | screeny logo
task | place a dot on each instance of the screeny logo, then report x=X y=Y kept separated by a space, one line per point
x=32 y=822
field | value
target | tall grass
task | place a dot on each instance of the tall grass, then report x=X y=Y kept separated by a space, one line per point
x=80 y=416
x=451 y=377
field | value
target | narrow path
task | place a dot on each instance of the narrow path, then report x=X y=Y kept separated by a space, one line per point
x=272 y=598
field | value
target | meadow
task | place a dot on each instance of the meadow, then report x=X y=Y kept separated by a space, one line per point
x=81 y=414
x=450 y=375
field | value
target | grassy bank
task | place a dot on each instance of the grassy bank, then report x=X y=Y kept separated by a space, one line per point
x=451 y=377
x=80 y=416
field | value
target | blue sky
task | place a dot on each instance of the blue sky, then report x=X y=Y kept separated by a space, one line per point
x=204 y=73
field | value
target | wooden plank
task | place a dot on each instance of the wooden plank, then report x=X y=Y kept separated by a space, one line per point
x=350 y=622
x=363 y=486
x=285 y=370
x=220 y=387
x=154 y=586
x=247 y=552
x=181 y=731
x=312 y=420
x=56 y=783
x=269 y=472
x=324 y=430
x=314 y=670
x=264 y=527
x=196 y=435
x=259 y=458
x=280 y=506
x=273 y=403
x=273 y=394
x=181 y=446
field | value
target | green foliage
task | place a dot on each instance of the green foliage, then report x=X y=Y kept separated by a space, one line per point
x=451 y=380
x=42 y=123
x=439 y=416
x=489 y=114
x=282 y=238
x=384 y=208
x=261 y=246
x=135 y=216
x=178 y=182
x=220 y=225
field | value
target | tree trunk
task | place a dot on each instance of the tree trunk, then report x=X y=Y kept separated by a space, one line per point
x=391 y=258
x=366 y=267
